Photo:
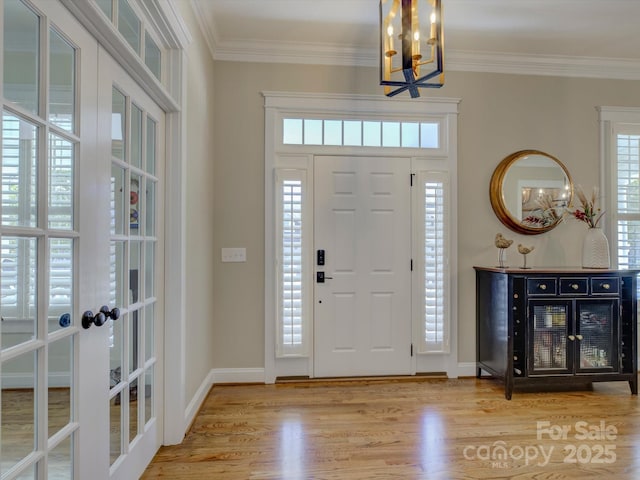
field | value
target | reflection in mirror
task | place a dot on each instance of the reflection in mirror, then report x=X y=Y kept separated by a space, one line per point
x=530 y=191
x=536 y=189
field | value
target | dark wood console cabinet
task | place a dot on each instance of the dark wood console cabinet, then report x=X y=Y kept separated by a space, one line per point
x=549 y=327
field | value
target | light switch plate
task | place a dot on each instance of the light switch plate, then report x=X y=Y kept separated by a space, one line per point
x=234 y=254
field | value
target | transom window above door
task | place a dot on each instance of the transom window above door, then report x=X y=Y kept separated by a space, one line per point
x=360 y=133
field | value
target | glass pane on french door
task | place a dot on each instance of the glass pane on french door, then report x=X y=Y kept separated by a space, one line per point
x=39 y=248
x=133 y=246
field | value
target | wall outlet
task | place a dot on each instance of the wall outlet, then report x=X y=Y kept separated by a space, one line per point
x=234 y=254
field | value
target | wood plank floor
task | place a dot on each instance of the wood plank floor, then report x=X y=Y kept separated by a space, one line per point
x=398 y=429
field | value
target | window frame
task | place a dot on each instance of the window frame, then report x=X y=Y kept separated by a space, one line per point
x=283 y=349
x=281 y=105
x=420 y=301
x=614 y=121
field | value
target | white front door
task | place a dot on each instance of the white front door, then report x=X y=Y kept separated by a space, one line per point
x=362 y=309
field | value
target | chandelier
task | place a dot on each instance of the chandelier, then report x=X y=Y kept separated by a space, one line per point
x=411 y=46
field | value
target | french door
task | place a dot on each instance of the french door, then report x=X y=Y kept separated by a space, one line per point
x=132 y=125
x=54 y=261
x=79 y=385
x=362 y=237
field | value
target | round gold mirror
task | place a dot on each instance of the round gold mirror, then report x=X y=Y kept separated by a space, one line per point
x=529 y=191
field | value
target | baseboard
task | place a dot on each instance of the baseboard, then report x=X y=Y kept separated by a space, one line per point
x=196 y=402
x=20 y=381
x=238 y=375
x=466 y=369
x=220 y=376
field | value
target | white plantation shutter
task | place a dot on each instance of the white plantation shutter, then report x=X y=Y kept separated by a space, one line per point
x=18 y=278
x=435 y=328
x=18 y=208
x=292 y=265
x=628 y=198
x=18 y=258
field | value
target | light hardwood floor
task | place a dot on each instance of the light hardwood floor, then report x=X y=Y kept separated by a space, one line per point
x=407 y=429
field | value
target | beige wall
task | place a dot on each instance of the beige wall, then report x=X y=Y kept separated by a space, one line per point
x=200 y=296
x=499 y=114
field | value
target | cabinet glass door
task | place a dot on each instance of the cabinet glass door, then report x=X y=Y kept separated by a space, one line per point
x=597 y=335
x=549 y=336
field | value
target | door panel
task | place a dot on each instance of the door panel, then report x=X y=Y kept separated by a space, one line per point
x=53 y=249
x=362 y=317
x=132 y=125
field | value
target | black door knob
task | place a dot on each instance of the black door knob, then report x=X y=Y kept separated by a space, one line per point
x=113 y=314
x=88 y=319
x=65 y=320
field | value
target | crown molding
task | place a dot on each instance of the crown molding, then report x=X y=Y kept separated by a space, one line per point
x=455 y=60
x=551 y=65
x=298 y=53
x=167 y=21
x=207 y=29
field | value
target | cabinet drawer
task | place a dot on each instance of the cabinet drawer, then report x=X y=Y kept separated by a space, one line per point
x=605 y=286
x=541 y=286
x=573 y=286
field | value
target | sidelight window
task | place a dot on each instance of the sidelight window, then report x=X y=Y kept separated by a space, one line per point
x=292 y=268
x=435 y=329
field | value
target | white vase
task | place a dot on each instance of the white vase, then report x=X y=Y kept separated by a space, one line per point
x=595 y=249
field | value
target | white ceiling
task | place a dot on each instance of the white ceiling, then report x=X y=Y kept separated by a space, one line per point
x=591 y=38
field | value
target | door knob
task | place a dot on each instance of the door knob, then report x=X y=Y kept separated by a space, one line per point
x=113 y=314
x=65 y=320
x=88 y=318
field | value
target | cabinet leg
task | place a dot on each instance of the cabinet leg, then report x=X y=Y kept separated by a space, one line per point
x=508 y=387
x=633 y=384
x=478 y=372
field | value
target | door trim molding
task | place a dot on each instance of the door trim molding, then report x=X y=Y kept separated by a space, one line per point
x=279 y=104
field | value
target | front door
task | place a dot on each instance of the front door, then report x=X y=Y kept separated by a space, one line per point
x=362 y=239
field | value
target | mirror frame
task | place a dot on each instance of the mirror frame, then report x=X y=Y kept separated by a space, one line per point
x=497 y=198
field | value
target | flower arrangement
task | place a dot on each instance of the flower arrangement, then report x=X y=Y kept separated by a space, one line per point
x=588 y=212
x=547 y=212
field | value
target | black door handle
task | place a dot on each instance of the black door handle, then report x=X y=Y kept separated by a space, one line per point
x=88 y=319
x=100 y=318
x=320 y=277
x=113 y=314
